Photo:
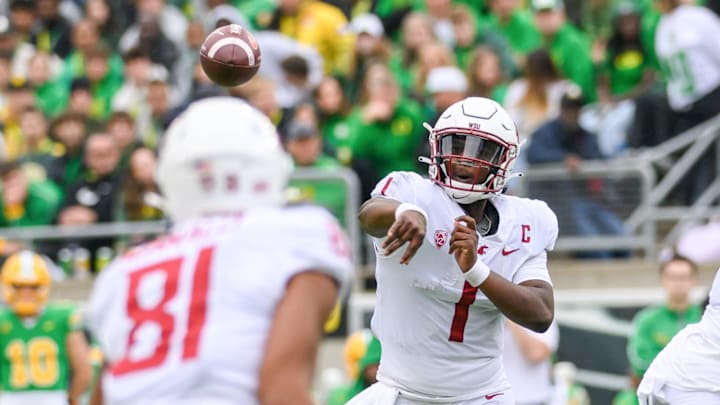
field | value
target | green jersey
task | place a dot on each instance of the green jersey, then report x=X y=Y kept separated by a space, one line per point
x=653 y=329
x=519 y=31
x=34 y=357
x=626 y=70
x=331 y=194
x=389 y=145
x=336 y=132
x=570 y=51
x=626 y=397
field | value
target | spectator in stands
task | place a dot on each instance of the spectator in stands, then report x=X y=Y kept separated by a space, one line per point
x=625 y=72
x=121 y=126
x=153 y=42
x=139 y=192
x=93 y=198
x=139 y=72
x=485 y=75
x=320 y=25
x=430 y=56
x=109 y=22
x=220 y=13
x=370 y=46
x=653 y=327
x=386 y=129
x=22 y=18
x=439 y=12
x=564 y=140
x=103 y=83
x=187 y=59
x=295 y=68
x=13 y=47
x=4 y=73
x=333 y=110
x=626 y=69
x=86 y=39
x=152 y=122
x=535 y=98
x=416 y=33
x=25 y=202
x=303 y=142
x=516 y=25
x=51 y=94
x=468 y=35
x=52 y=31
x=39 y=150
x=527 y=357
x=260 y=92
x=687 y=47
x=570 y=49
x=19 y=98
x=445 y=86
x=80 y=100
x=165 y=18
x=69 y=130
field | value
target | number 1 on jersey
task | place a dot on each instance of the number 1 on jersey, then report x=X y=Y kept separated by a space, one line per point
x=158 y=316
x=462 y=309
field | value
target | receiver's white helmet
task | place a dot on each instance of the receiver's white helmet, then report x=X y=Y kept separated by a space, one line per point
x=475 y=132
x=221 y=155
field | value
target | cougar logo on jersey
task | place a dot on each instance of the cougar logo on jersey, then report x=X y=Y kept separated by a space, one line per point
x=440 y=238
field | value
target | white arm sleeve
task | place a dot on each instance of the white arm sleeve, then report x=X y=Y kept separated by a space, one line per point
x=398 y=186
x=317 y=242
x=535 y=268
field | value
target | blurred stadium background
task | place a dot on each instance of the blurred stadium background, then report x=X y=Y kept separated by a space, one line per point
x=87 y=88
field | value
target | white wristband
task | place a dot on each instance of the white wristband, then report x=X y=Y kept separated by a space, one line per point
x=477 y=274
x=409 y=207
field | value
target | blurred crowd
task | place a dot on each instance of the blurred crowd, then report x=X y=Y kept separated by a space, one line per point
x=88 y=87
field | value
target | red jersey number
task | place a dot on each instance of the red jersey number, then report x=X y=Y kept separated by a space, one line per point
x=158 y=315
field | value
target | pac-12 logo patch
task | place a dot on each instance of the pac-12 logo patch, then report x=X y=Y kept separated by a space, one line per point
x=440 y=237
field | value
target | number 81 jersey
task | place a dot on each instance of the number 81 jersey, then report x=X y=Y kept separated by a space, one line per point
x=34 y=363
x=184 y=319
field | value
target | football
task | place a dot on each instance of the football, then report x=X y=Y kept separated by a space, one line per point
x=230 y=55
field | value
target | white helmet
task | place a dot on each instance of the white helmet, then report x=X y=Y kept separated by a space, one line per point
x=221 y=155
x=475 y=132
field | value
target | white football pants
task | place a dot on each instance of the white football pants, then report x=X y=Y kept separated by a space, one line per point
x=673 y=396
x=381 y=394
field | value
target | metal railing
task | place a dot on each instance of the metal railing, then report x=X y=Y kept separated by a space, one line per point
x=695 y=142
x=116 y=229
x=617 y=186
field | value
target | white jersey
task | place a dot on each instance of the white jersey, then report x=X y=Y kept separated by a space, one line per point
x=687 y=45
x=184 y=319
x=531 y=382
x=691 y=361
x=440 y=336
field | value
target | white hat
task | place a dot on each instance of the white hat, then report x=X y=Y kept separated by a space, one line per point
x=539 y=5
x=446 y=78
x=367 y=24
